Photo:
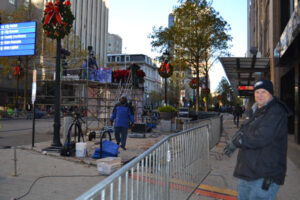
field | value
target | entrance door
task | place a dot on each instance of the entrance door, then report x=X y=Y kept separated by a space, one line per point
x=287 y=95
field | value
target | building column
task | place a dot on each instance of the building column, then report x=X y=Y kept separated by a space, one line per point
x=84 y=23
x=89 y=25
x=98 y=35
x=94 y=26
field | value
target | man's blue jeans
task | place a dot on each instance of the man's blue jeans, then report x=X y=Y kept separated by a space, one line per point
x=123 y=131
x=251 y=190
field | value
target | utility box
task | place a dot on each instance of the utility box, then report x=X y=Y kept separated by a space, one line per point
x=107 y=166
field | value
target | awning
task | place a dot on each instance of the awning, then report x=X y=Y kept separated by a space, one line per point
x=244 y=70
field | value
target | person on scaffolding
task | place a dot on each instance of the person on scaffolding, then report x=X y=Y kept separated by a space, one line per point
x=123 y=116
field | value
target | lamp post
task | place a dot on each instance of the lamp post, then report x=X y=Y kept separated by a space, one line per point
x=56 y=136
x=165 y=56
x=17 y=76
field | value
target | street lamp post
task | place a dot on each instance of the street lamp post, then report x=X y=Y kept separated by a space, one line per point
x=56 y=136
x=165 y=56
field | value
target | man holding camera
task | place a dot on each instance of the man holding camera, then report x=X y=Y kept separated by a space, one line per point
x=262 y=143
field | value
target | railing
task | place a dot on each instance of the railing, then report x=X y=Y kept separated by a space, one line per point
x=214 y=128
x=171 y=169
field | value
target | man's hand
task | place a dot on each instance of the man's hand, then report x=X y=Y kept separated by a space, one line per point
x=229 y=149
x=131 y=125
x=235 y=142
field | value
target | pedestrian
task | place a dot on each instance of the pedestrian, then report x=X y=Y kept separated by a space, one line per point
x=123 y=116
x=262 y=142
x=237 y=111
x=28 y=110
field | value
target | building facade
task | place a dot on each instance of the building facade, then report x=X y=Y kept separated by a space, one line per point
x=91 y=25
x=153 y=81
x=114 y=44
x=273 y=29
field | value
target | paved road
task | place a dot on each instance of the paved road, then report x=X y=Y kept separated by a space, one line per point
x=19 y=132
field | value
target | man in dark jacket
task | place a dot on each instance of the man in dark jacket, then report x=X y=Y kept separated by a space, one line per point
x=262 y=143
x=123 y=116
x=237 y=111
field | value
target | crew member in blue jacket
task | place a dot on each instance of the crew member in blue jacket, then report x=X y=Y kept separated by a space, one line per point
x=123 y=116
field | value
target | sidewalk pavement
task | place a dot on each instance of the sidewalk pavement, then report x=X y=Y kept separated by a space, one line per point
x=69 y=177
x=221 y=179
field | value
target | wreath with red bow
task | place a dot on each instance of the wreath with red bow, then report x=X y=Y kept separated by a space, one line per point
x=193 y=83
x=18 y=72
x=165 y=70
x=58 y=19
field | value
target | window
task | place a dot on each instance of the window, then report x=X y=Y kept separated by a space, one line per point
x=118 y=59
x=12 y=2
x=127 y=58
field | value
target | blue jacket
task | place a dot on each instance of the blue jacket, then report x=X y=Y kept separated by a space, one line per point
x=122 y=114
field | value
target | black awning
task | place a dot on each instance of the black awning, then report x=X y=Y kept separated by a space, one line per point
x=244 y=70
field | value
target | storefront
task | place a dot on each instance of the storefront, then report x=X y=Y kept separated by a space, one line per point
x=287 y=59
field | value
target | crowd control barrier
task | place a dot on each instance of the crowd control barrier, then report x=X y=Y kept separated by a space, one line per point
x=171 y=169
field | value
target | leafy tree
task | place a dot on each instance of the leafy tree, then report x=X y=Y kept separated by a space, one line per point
x=197 y=36
x=226 y=91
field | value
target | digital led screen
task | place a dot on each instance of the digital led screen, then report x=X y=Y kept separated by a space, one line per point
x=17 y=39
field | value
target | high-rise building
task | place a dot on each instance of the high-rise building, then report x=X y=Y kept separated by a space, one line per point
x=91 y=25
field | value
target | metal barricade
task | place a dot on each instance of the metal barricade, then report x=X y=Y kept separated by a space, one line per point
x=171 y=169
x=215 y=128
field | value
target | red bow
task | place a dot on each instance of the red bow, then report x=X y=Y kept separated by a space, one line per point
x=165 y=67
x=17 y=71
x=52 y=10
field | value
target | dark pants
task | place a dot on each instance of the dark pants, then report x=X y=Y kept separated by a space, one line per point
x=123 y=131
x=236 y=120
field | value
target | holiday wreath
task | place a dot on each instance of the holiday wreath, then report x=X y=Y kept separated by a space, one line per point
x=193 y=83
x=58 y=19
x=165 y=70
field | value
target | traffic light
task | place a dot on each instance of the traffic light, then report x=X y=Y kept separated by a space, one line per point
x=64 y=54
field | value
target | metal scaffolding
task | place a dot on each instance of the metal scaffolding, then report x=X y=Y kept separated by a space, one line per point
x=93 y=99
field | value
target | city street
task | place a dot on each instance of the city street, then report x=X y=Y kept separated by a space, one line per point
x=18 y=132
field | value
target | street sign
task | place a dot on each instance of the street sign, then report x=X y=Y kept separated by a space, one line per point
x=17 y=39
x=245 y=87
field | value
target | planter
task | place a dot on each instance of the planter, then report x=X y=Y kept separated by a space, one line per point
x=167 y=115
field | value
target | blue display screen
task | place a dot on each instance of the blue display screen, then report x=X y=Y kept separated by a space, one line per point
x=17 y=39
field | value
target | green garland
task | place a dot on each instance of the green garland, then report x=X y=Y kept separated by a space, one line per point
x=53 y=29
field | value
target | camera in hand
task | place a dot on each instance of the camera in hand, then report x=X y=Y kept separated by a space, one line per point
x=266 y=184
